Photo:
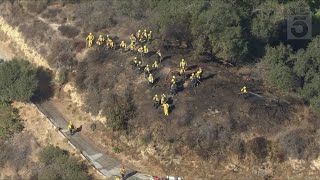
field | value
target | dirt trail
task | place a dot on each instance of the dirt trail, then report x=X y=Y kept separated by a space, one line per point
x=15 y=36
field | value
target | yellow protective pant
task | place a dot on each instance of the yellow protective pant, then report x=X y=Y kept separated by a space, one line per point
x=166 y=111
x=89 y=43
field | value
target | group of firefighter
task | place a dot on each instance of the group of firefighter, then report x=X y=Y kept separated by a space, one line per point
x=141 y=37
x=138 y=43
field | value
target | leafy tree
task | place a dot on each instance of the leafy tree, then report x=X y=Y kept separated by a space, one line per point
x=218 y=30
x=17 y=80
x=266 y=24
x=307 y=68
x=279 y=62
x=278 y=55
x=172 y=19
x=281 y=76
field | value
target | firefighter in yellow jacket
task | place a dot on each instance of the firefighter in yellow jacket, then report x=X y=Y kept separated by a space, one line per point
x=90 y=39
x=100 y=40
x=150 y=36
x=173 y=80
x=140 y=51
x=165 y=109
x=156 y=101
x=70 y=128
x=145 y=49
x=199 y=74
x=123 y=46
x=244 y=90
x=163 y=99
x=155 y=65
x=150 y=79
x=159 y=56
x=183 y=66
x=133 y=39
x=146 y=70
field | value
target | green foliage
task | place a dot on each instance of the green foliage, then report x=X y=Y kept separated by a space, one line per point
x=172 y=19
x=17 y=80
x=59 y=165
x=10 y=122
x=218 y=30
x=119 y=114
x=115 y=149
x=278 y=61
x=278 y=55
x=93 y=126
x=61 y=78
x=307 y=68
x=266 y=24
x=281 y=76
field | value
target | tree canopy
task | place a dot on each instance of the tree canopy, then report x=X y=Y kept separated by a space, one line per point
x=18 y=80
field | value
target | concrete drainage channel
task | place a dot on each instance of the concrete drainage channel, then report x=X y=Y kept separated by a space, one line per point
x=105 y=165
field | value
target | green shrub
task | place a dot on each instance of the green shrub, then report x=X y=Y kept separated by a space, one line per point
x=59 y=165
x=281 y=76
x=116 y=149
x=10 y=122
x=119 y=114
x=93 y=126
x=61 y=79
x=17 y=80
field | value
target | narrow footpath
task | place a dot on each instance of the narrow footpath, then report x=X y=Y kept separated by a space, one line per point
x=105 y=164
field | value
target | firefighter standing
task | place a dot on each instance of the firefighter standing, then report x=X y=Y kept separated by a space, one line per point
x=165 y=109
x=139 y=34
x=183 y=66
x=90 y=39
x=146 y=70
x=140 y=51
x=122 y=172
x=139 y=66
x=145 y=49
x=145 y=34
x=150 y=79
x=163 y=99
x=173 y=88
x=132 y=39
x=155 y=65
x=193 y=80
x=70 y=128
x=199 y=73
x=156 y=101
x=134 y=62
x=150 y=36
x=159 y=56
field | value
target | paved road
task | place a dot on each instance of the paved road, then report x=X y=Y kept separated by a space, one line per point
x=106 y=164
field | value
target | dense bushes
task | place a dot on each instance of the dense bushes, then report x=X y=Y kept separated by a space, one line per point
x=279 y=64
x=300 y=70
x=10 y=122
x=59 y=165
x=120 y=112
x=17 y=80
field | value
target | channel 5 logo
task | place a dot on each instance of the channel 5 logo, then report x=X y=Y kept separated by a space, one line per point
x=299 y=26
